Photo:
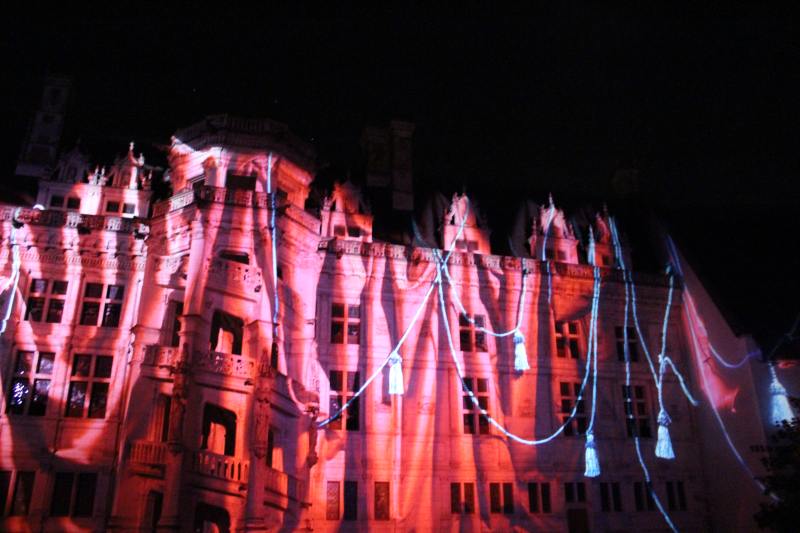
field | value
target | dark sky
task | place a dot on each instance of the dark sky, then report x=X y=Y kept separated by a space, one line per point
x=703 y=104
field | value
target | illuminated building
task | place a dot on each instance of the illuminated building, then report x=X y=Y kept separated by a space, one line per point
x=148 y=385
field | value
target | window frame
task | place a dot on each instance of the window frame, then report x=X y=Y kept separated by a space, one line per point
x=539 y=497
x=91 y=383
x=349 y=383
x=633 y=344
x=47 y=297
x=567 y=342
x=104 y=303
x=347 y=322
x=501 y=498
x=9 y=491
x=577 y=426
x=77 y=501
x=469 y=411
x=468 y=330
x=32 y=375
x=462 y=497
x=637 y=411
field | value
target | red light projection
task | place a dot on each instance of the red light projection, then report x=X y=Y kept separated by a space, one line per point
x=151 y=379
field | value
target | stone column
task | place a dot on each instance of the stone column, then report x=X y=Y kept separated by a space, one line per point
x=173 y=472
x=254 y=510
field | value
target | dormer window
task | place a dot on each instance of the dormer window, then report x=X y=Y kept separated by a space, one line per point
x=339 y=231
x=112 y=207
x=353 y=232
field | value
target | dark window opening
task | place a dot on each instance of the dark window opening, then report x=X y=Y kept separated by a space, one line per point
x=236 y=181
x=239 y=257
x=226 y=333
x=219 y=430
x=350 y=500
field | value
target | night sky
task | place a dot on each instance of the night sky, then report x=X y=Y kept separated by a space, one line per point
x=703 y=104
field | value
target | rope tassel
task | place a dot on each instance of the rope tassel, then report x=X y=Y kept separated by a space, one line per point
x=520 y=354
x=396 y=374
x=664 y=445
x=781 y=410
x=592 y=462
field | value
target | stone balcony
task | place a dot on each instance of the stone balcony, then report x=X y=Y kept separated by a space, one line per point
x=225 y=364
x=282 y=487
x=148 y=458
x=221 y=467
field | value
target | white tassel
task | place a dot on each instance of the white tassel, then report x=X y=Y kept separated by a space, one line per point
x=592 y=462
x=781 y=409
x=664 y=445
x=395 y=374
x=520 y=354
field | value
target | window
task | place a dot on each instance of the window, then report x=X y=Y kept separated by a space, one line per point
x=676 y=497
x=46 y=300
x=73 y=202
x=539 y=497
x=19 y=488
x=381 y=500
x=642 y=495
x=571 y=398
x=57 y=201
x=471 y=339
x=345 y=320
x=339 y=230
x=501 y=498
x=93 y=298
x=89 y=378
x=609 y=493
x=160 y=422
x=176 y=311
x=350 y=500
x=128 y=209
x=633 y=344
x=637 y=418
x=332 y=499
x=73 y=494
x=219 y=430
x=270 y=447
x=354 y=232
x=575 y=492
x=474 y=422
x=343 y=386
x=566 y=334
x=466 y=245
x=226 y=333
x=462 y=501
x=236 y=181
x=24 y=397
x=112 y=207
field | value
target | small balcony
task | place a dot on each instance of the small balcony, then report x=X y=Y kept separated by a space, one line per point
x=226 y=364
x=222 y=467
x=282 y=487
x=148 y=458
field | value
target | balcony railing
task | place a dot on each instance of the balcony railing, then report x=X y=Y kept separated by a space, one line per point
x=226 y=364
x=160 y=356
x=148 y=453
x=284 y=484
x=220 y=466
x=72 y=219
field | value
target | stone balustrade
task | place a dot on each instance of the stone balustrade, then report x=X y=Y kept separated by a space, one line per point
x=148 y=453
x=220 y=466
x=226 y=364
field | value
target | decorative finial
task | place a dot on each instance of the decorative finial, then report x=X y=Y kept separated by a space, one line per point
x=550 y=199
x=130 y=147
